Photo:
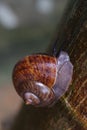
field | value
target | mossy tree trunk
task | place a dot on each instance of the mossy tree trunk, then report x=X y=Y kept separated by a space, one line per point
x=70 y=113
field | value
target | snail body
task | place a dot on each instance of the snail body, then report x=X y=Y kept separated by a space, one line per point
x=41 y=79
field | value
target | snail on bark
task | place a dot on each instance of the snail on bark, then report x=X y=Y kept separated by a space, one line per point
x=42 y=79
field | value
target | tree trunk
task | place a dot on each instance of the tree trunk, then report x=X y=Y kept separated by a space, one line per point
x=70 y=112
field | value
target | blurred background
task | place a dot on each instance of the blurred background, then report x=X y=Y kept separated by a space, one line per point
x=26 y=27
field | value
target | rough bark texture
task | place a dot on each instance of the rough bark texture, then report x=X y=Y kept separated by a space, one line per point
x=70 y=113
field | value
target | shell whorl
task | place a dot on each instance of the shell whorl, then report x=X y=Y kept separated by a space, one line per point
x=32 y=70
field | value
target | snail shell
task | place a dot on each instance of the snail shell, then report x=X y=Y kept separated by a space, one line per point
x=41 y=79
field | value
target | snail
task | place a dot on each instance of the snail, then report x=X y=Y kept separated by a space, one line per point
x=42 y=79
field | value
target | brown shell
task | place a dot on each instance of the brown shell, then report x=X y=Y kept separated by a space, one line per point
x=40 y=68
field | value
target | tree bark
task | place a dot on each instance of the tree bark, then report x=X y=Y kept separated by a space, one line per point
x=70 y=112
